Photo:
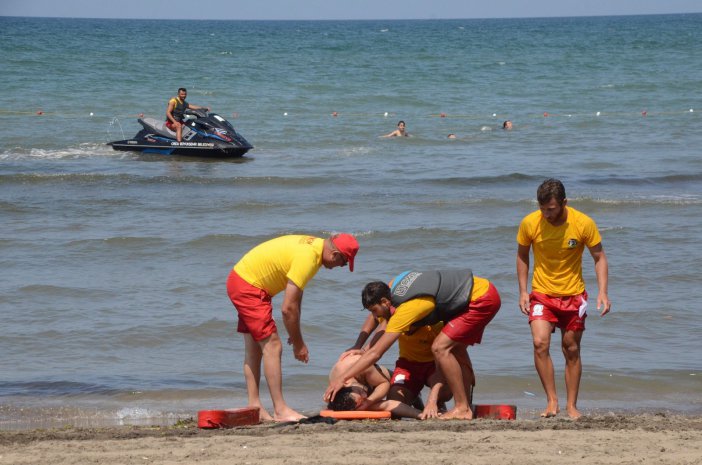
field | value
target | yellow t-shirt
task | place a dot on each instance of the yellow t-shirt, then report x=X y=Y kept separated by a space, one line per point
x=417 y=346
x=270 y=265
x=558 y=251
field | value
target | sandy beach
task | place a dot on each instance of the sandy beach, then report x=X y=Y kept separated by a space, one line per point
x=606 y=439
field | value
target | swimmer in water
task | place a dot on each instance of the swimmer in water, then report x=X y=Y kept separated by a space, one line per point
x=399 y=132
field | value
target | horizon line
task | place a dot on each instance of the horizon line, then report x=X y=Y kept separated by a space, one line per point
x=354 y=19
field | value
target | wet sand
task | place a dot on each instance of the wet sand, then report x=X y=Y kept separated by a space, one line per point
x=606 y=439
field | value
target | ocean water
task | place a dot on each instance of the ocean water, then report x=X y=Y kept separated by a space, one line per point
x=113 y=306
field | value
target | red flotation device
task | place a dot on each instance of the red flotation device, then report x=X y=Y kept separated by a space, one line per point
x=211 y=419
x=495 y=412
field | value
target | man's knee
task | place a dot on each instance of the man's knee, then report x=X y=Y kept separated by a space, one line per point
x=440 y=348
x=272 y=344
x=541 y=344
x=571 y=350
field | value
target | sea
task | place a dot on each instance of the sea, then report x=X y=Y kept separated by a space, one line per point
x=113 y=307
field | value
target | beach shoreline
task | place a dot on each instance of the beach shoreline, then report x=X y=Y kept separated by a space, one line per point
x=614 y=438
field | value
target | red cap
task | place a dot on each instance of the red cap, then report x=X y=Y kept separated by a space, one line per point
x=347 y=245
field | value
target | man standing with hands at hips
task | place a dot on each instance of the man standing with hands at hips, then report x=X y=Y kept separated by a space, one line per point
x=287 y=264
x=559 y=235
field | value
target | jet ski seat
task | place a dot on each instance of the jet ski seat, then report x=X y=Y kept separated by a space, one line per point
x=159 y=127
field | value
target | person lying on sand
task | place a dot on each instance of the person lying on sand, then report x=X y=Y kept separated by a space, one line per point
x=415 y=367
x=457 y=297
x=366 y=390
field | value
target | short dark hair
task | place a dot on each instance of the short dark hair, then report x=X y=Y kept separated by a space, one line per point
x=400 y=122
x=343 y=400
x=182 y=89
x=373 y=292
x=550 y=189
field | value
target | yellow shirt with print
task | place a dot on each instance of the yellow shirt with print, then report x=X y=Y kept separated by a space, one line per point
x=558 y=251
x=270 y=265
x=416 y=346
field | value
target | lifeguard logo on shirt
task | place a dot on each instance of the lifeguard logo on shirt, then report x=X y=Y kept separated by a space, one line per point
x=572 y=243
x=307 y=240
x=406 y=282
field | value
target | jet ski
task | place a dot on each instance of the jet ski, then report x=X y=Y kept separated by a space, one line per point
x=204 y=134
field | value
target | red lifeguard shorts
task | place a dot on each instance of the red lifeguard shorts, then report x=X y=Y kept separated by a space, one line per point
x=566 y=312
x=253 y=306
x=412 y=375
x=467 y=328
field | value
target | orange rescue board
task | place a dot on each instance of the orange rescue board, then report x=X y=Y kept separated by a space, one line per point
x=355 y=414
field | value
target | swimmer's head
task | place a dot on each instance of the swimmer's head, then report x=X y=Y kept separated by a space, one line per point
x=348 y=398
x=451 y=136
x=401 y=124
x=507 y=125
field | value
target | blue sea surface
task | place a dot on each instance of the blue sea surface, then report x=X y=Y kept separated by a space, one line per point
x=113 y=303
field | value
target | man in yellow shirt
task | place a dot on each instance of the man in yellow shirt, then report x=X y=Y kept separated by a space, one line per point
x=558 y=235
x=287 y=264
x=465 y=303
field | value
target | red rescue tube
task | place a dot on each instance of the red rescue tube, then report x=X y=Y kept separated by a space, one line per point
x=211 y=419
x=495 y=412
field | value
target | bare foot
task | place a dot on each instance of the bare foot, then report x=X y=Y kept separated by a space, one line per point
x=263 y=415
x=288 y=414
x=573 y=413
x=551 y=410
x=457 y=414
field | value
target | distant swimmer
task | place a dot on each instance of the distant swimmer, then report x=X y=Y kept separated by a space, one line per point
x=451 y=136
x=507 y=125
x=399 y=132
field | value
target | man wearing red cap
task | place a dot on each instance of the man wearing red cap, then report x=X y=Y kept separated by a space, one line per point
x=287 y=264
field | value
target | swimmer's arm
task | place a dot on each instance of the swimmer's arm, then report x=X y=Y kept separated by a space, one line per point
x=378 y=382
x=367 y=360
x=397 y=408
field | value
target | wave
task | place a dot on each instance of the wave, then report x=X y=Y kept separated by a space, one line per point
x=53 y=388
x=120 y=242
x=510 y=178
x=84 y=150
x=131 y=179
x=642 y=181
x=62 y=291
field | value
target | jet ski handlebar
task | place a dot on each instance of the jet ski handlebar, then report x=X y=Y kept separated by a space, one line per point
x=199 y=113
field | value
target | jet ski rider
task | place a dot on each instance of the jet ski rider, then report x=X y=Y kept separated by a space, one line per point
x=176 y=110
